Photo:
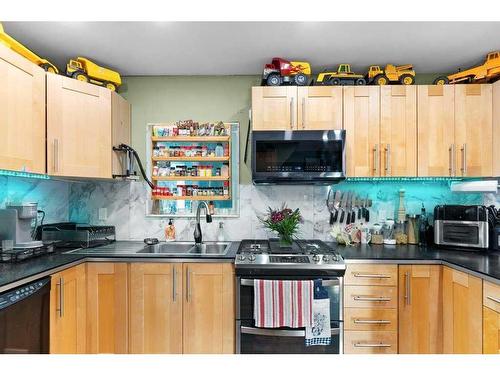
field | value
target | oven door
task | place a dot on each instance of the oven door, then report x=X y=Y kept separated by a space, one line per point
x=298 y=156
x=253 y=340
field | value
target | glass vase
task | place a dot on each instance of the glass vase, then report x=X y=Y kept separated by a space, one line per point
x=285 y=240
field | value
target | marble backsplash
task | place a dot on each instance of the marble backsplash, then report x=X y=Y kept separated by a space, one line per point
x=126 y=206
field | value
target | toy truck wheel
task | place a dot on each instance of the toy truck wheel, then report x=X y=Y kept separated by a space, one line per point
x=381 y=80
x=273 y=80
x=48 y=68
x=300 y=79
x=79 y=76
x=360 y=82
x=407 y=79
x=334 y=81
x=441 y=81
x=110 y=86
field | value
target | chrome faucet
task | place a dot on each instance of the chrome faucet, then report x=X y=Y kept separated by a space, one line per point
x=197 y=230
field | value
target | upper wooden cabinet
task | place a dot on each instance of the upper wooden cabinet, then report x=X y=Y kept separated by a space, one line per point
x=209 y=308
x=473 y=130
x=436 y=130
x=362 y=125
x=420 y=309
x=107 y=308
x=462 y=313
x=78 y=128
x=22 y=113
x=398 y=131
x=68 y=311
x=156 y=308
x=274 y=108
x=319 y=108
x=496 y=128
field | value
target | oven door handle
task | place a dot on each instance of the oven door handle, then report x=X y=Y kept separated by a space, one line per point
x=280 y=332
x=332 y=282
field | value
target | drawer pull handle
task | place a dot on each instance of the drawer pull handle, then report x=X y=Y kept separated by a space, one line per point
x=372 y=299
x=493 y=299
x=371 y=345
x=371 y=276
x=368 y=321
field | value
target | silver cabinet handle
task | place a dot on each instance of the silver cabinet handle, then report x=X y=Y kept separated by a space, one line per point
x=371 y=345
x=372 y=299
x=407 y=288
x=291 y=113
x=371 y=275
x=370 y=321
x=61 y=297
x=303 y=113
x=56 y=155
x=188 y=285
x=375 y=160
x=464 y=159
x=174 y=284
x=493 y=299
x=388 y=160
x=280 y=332
x=333 y=282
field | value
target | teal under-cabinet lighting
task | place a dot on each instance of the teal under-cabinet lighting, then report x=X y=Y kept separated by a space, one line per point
x=4 y=172
x=405 y=179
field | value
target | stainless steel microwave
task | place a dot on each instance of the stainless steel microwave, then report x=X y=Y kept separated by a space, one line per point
x=298 y=157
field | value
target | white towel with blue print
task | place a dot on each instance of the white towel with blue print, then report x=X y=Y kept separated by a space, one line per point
x=319 y=333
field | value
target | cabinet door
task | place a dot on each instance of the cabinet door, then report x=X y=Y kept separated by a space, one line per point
x=120 y=125
x=274 y=108
x=474 y=130
x=420 y=314
x=209 y=311
x=68 y=311
x=436 y=130
x=319 y=108
x=491 y=331
x=155 y=308
x=362 y=125
x=22 y=113
x=107 y=308
x=78 y=128
x=462 y=313
x=496 y=128
x=398 y=130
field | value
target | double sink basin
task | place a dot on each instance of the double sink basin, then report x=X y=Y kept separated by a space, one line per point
x=187 y=248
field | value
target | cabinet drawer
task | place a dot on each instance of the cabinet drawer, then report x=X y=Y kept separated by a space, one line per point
x=371 y=274
x=370 y=319
x=370 y=296
x=370 y=342
x=491 y=296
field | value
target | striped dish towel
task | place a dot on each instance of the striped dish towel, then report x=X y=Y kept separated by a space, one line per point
x=283 y=303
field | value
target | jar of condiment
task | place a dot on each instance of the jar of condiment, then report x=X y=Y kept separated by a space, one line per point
x=226 y=188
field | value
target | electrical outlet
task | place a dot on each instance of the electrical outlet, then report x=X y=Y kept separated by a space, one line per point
x=103 y=213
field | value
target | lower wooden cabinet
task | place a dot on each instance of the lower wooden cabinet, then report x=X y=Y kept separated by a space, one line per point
x=156 y=308
x=370 y=342
x=491 y=318
x=420 y=309
x=462 y=313
x=107 y=308
x=68 y=311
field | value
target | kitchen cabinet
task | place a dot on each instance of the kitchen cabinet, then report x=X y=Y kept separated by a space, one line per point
x=491 y=318
x=496 y=128
x=362 y=125
x=209 y=308
x=398 y=131
x=420 y=309
x=462 y=312
x=436 y=130
x=473 y=130
x=22 y=113
x=120 y=131
x=274 y=108
x=107 y=308
x=78 y=128
x=156 y=308
x=68 y=311
x=319 y=108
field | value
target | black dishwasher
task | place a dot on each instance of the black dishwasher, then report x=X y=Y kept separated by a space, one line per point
x=24 y=318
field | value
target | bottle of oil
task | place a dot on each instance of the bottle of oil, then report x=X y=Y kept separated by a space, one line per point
x=424 y=225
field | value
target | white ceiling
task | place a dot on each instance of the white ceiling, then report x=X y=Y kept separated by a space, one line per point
x=237 y=48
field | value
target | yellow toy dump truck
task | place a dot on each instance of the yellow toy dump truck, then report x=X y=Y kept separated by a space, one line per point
x=343 y=76
x=85 y=70
x=14 y=45
x=403 y=74
x=482 y=73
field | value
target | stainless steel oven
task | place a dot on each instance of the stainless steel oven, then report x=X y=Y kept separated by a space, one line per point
x=255 y=340
x=298 y=157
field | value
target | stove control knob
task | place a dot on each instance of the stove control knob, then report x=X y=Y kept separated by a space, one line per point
x=241 y=257
x=251 y=257
x=316 y=258
x=326 y=258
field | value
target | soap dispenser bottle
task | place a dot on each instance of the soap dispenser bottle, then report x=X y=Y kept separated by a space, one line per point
x=170 y=231
x=221 y=235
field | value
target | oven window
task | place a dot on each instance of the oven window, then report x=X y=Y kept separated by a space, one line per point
x=298 y=156
x=460 y=233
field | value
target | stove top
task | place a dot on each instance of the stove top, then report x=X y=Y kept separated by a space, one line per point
x=302 y=255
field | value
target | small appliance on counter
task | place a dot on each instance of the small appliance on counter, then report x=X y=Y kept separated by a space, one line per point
x=74 y=235
x=494 y=224
x=16 y=223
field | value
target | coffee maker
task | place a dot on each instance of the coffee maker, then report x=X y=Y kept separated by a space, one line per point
x=16 y=223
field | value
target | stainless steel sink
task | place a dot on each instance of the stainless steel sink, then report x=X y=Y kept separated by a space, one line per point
x=174 y=248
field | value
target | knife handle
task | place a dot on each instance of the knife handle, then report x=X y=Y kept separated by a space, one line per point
x=335 y=216
x=359 y=213
x=348 y=219
x=331 y=218
x=367 y=215
x=342 y=216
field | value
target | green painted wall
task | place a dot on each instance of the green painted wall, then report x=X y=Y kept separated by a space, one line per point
x=201 y=98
